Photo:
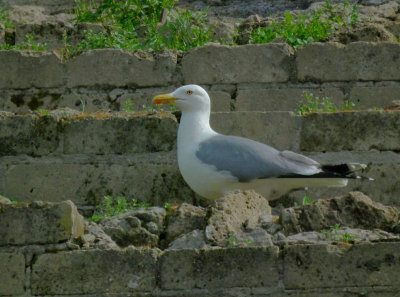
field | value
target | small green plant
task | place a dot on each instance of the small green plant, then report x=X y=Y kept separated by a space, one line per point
x=141 y=24
x=127 y=106
x=312 y=104
x=42 y=112
x=334 y=234
x=300 y=30
x=168 y=206
x=27 y=44
x=4 y=20
x=155 y=108
x=307 y=200
x=113 y=206
x=233 y=241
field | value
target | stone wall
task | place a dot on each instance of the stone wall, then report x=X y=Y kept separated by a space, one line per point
x=85 y=156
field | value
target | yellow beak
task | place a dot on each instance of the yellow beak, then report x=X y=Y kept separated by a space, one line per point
x=164 y=98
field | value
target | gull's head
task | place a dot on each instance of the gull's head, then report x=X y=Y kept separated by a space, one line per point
x=186 y=98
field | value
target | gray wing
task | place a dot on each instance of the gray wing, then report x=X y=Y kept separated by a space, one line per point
x=247 y=159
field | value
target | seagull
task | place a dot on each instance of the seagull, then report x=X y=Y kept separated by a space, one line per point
x=213 y=164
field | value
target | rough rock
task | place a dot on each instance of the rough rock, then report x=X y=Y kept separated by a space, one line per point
x=192 y=240
x=234 y=213
x=141 y=226
x=95 y=237
x=256 y=237
x=185 y=219
x=12 y=271
x=363 y=32
x=4 y=200
x=39 y=223
x=352 y=210
x=270 y=223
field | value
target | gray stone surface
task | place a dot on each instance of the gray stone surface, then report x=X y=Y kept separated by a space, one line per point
x=352 y=210
x=356 y=61
x=335 y=266
x=376 y=96
x=118 y=68
x=95 y=237
x=152 y=178
x=185 y=219
x=278 y=129
x=27 y=69
x=110 y=271
x=219 y=268
x=39 y=223
x=192 y=240
x=360 y=131
x=12 y=271
x=233 y=214
x=280 y=99
x=215 y=63
x=139 y=227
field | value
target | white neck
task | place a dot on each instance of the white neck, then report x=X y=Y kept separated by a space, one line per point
x=194 y=127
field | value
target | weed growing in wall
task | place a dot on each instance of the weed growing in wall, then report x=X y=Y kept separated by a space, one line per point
x=113 y=206
x=28 y=44
x=300 y=30
x=142 y=24
x=4 y=20
x=334 y=234
x=312 y=104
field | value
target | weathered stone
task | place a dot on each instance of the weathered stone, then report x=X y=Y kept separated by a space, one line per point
x=374 y=97
x=110 y=271
x=152 y=178
x=219 y=268
x=338 y=266
x=12 y=271
x=27 y=69
x=119 y=68
x=220 y=101
x=270 y=223
x=351 y=131
x=28 y=134
x=256 y=237
x=39 y=223
x=192 y=240
x=138 y=227
x=185 y=219
x=233 y=213
x=95 y=237
x=363 y=32
x=352 y=210
x=261 y=126
x=119 y=133
x=4 y=200
x=356 y=61
x=212 y=64
x=272 y=99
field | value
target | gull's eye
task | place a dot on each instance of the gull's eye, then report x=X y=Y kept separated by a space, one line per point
x=189 y=92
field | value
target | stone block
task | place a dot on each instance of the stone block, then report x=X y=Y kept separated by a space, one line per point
x=151 y=178
x=119 y=133
x=119 y=68
x=27 y=69
x=337 y=266
x=12 y=271
x=39 y=223
x=278 y=129
x=374 y=97
x=214 y=63
x=94 y=271
x=219 y=268
x=360 y=131
x=28 y=134
x=273 y=99
x=365 y=61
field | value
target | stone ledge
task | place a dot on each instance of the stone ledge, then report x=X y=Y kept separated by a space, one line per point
x=365 y=61
x=360 y=131
x=333 y=266
x=216 y=63
x=39 y=223
x=219 y=268
x=95 y=271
